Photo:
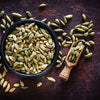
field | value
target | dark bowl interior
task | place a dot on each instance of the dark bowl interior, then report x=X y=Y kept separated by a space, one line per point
x=41 y=24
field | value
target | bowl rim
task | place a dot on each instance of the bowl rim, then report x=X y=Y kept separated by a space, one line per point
x=22 y=22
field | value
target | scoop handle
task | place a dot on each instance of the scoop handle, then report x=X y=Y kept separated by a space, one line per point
x=65 y=73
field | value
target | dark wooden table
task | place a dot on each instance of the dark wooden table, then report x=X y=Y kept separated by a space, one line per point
x=84 y=81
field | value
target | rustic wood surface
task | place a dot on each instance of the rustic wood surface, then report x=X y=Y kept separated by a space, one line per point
x=84 y=81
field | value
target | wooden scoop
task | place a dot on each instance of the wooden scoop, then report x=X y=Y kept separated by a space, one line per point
x=69 y=65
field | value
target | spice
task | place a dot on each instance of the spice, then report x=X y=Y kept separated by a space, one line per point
x=8 y=18
x=58 y=30
x=80 y=30
x=2 y=81
x=87 y=50
x=92 y=33
x=65 y=20
x=5 y=84
x=42 y=5
x=64 y=42
x=92 y=42
x=4 y=22
x=2 y=26
x=39 y=84
x=12 y=90
x=17 y=84
x=28 y=13
x=17 y=15
x=24 y=87
x=69 y=16
x=86 y=34
x=67 y=45
x=49 y=23
x=71 y=32
x=84 y=17
x=62 y=23
x=44 y=20
x=21 y=83
x=59 y=65
x=64 y=34
x=89 y=55
x=7 y=88
x=2 y=13
x=54 y=24
x=57 y=21
x=51 y=79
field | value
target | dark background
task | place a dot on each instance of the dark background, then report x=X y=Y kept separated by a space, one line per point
x=84 y=81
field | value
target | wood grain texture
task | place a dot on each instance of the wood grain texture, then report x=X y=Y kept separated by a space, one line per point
x=84 y=81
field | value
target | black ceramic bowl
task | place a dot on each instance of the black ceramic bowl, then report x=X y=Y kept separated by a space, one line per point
x=41 y=24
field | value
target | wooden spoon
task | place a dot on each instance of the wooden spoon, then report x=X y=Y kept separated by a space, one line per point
x=69 y=65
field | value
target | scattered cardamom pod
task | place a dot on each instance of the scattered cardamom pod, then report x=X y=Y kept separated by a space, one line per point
x=17 y=15
x=92 y=33
x=84 y=17
x=39 y=84
x=44 y=20
x=89 y=55
x=42 y=5
x=54 y=24
x=2 y=26
x=62 y=23
x=8 y=18
x=58 y=30
x=51 y=79
x=28 y=13
x=87 y=50
x=57 y=21
x=69 y=16
x=2 y=13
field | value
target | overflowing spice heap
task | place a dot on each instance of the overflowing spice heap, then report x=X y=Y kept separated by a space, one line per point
x=78 y=34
